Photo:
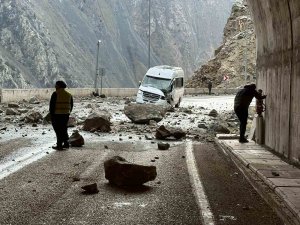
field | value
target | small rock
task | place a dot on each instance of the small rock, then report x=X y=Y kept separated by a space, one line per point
x=76 y=179
x=148 y=137
x=76 y=139
x=90 y=188
x=213 y=113
x=276 y=174
x=202 y=125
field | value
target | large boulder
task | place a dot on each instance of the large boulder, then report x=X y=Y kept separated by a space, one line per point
x=163 y=133
x=98 y=121
x=143 y=113
x=123 y=173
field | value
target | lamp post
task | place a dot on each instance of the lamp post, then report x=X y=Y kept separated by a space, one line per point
x=149 y=29
x=245 y=62
x=97 y=67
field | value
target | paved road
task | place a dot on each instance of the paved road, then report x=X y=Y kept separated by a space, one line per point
x=48 y=189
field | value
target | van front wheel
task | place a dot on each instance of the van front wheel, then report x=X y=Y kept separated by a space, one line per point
x=178 y=104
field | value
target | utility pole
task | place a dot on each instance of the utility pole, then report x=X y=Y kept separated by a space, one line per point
x=149 y=29
x=245 y=55
x=245 y=62
x=97 y=68
x=102 y=73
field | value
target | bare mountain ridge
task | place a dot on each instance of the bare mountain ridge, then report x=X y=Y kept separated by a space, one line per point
x=42 y=41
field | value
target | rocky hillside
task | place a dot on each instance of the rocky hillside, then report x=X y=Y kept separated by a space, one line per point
x=42 y=41
x=235 y=57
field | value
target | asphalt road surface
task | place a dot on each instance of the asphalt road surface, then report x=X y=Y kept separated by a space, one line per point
x=44 y=186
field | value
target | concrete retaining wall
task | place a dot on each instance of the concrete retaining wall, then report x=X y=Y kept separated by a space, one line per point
x=14 y=95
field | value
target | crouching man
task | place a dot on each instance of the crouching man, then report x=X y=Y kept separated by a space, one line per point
x=242 y=101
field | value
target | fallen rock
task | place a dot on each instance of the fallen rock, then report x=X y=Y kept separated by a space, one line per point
x=213 y=113
x=76 y=139
x=202 y=125
x=23 y=110
x=72 y=122
x=99 y=121
x=220 y=128
x=163 y=146
x=143 y=113
x=11 y=112
x=47 y=119
x=33 y=117
x=90 y=188
x=13 y=105
x=34 y=100
x=152 y=123
x=163 y=133
x=148 y=137
x=122 y=173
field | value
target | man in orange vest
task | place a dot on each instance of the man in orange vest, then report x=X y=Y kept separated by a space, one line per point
x=61 y=105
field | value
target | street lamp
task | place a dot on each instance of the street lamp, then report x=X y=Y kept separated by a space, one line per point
x=149 y=28
x=97 y=67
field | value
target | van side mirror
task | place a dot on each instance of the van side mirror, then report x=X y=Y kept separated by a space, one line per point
x=172 y=86
x=140 y=82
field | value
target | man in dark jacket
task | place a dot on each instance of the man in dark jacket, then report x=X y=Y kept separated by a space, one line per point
x=209 y=86
x=242 y=101
x=61 y=105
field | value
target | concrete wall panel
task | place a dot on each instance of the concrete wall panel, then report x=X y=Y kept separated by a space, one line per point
x=284 y=112
x=275 y=25
x=295 y=83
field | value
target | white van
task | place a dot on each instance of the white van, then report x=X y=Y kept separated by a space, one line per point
x=162 y=84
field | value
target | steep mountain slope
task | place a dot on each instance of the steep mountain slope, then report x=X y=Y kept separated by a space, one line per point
x=235 y=57
x=42 y=41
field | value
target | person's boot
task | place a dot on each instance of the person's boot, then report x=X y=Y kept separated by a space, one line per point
x=66 y=144
x=243 y=140
x=58 y=147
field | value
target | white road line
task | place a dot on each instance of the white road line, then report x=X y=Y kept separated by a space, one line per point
x=207 y=216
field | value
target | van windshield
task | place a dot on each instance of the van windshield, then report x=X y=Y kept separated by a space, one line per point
x=156 y=82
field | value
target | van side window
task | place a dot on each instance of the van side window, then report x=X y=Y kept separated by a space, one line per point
x=178 y=82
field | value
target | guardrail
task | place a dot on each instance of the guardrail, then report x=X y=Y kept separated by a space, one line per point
x=14 y=95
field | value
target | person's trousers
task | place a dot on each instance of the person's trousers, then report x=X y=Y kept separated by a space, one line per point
x=60 y=126
x=242 y=114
